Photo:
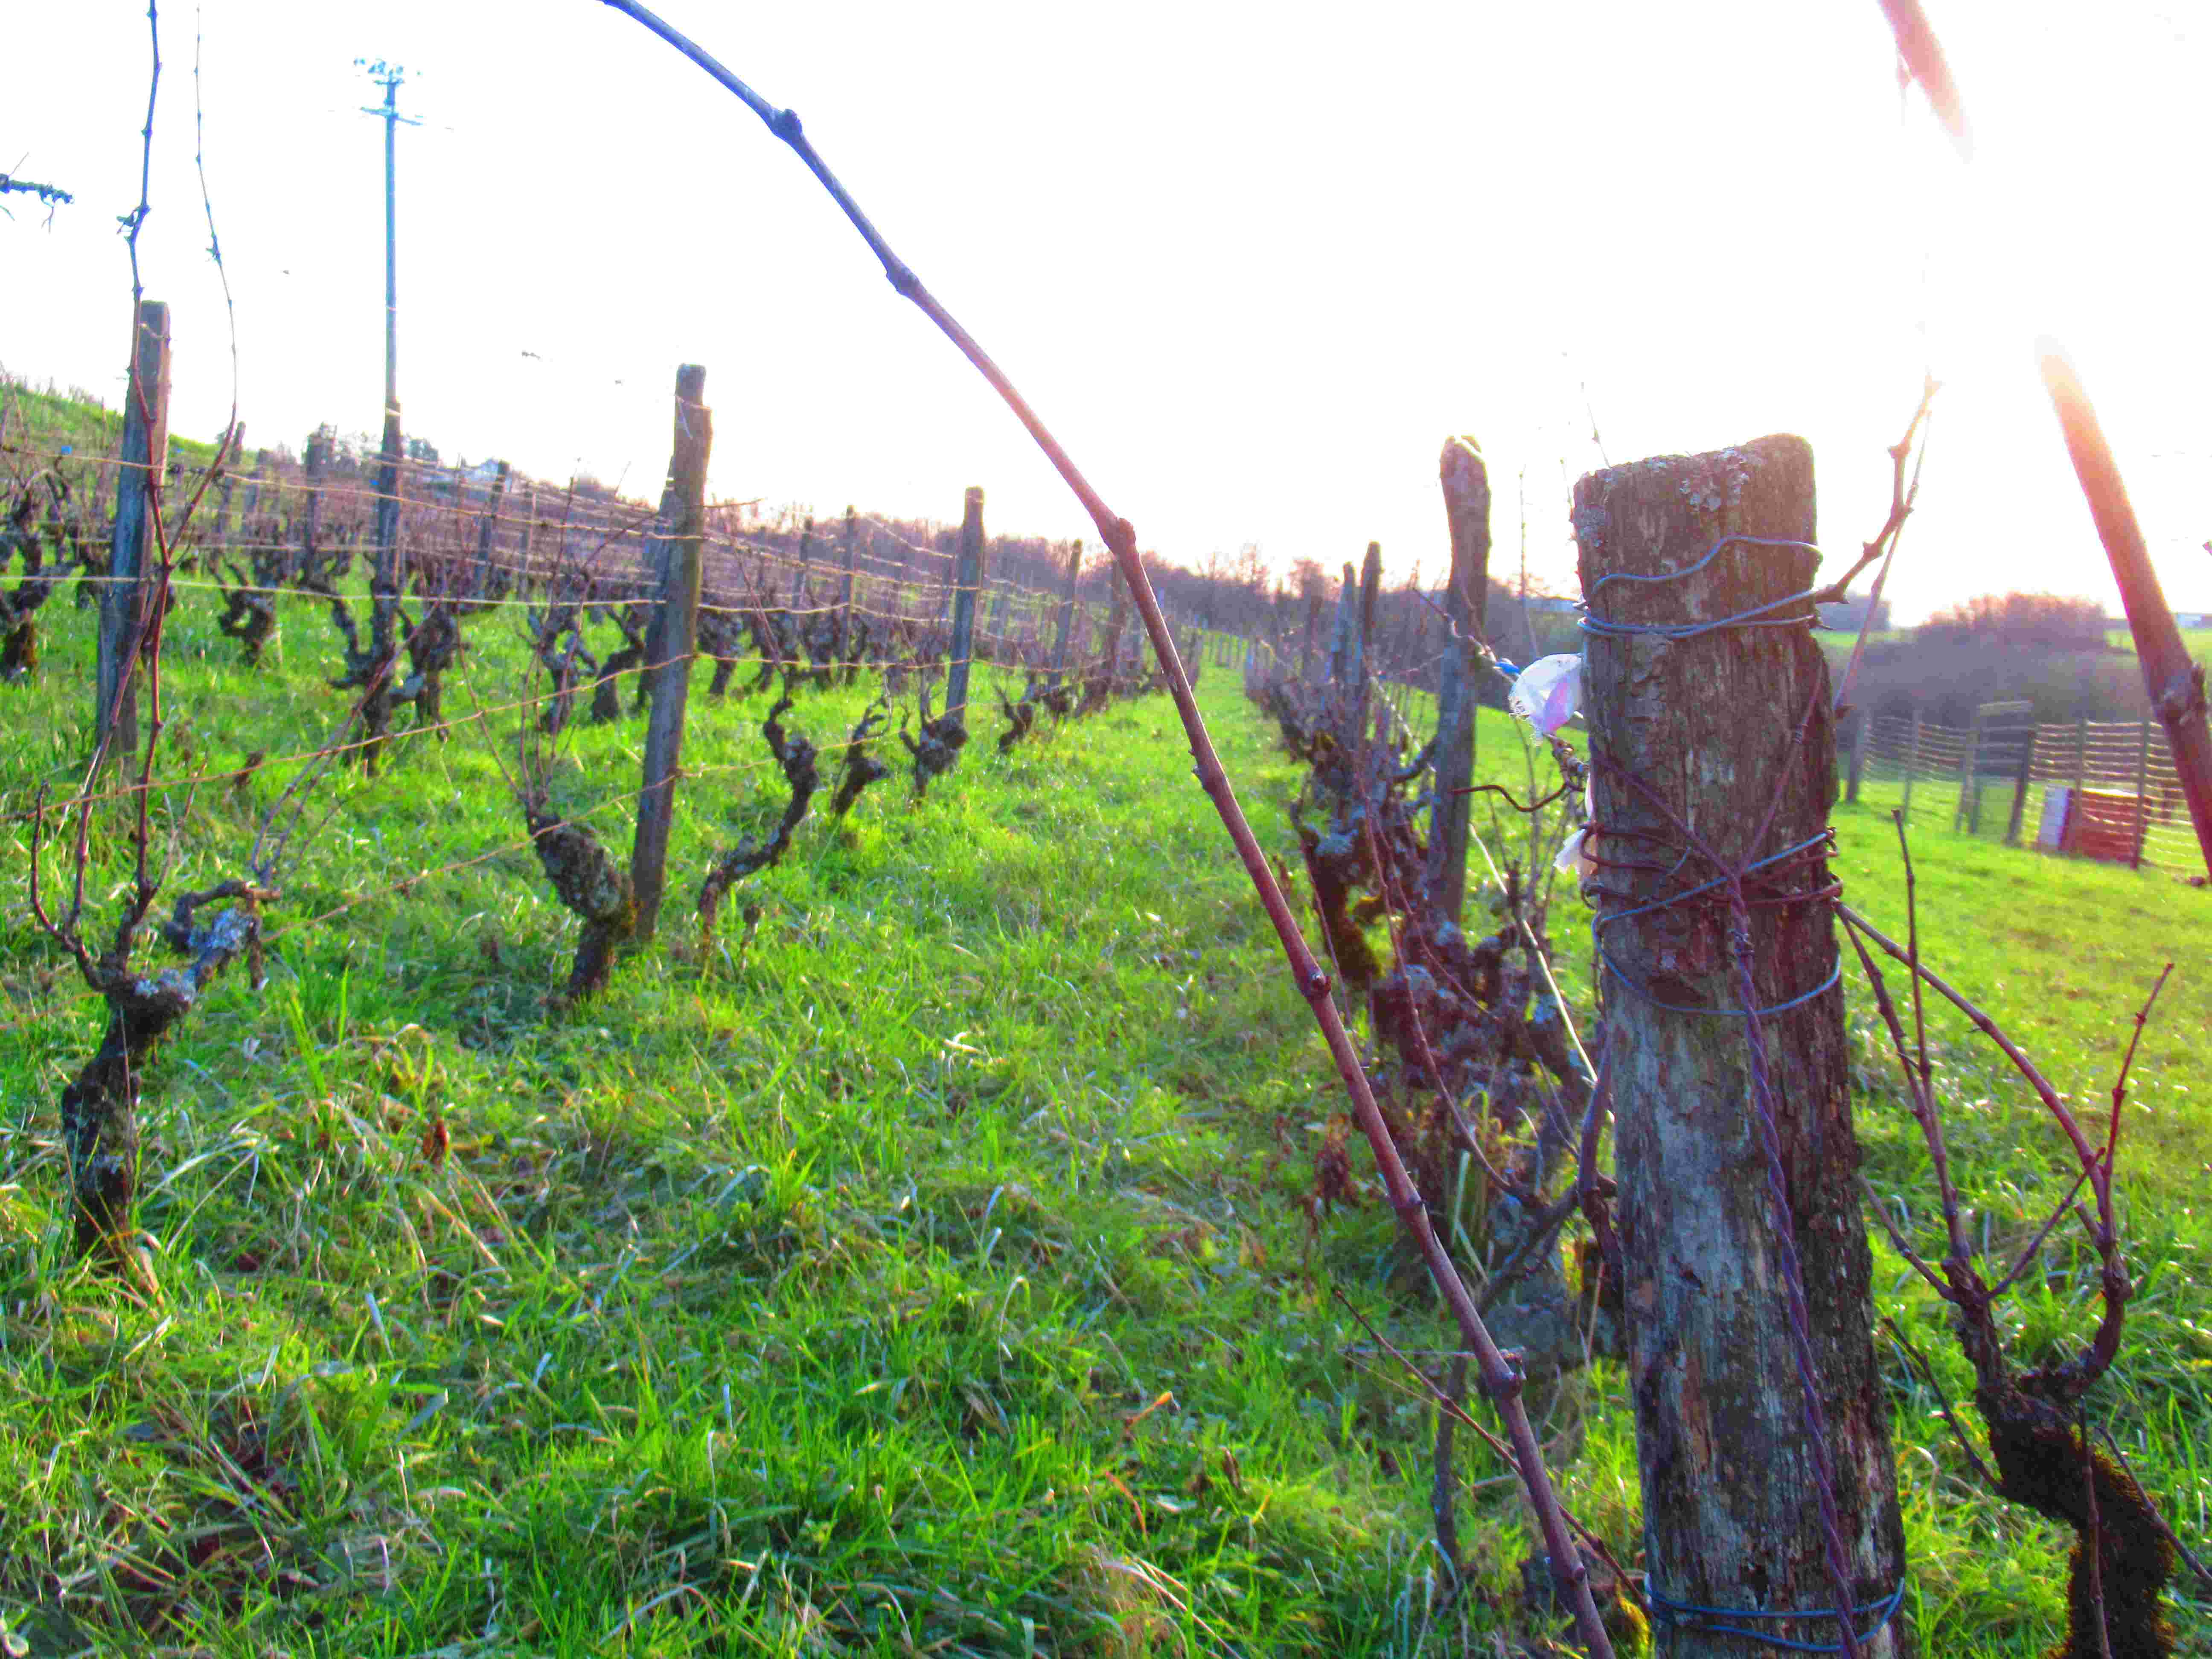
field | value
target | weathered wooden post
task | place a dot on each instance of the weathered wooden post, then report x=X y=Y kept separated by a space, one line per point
x=967 y=577
x=948 y=589
x=1066 y=612
x=1738 y=1425
x=1467 y=514
x=126 y=601
x=659 y=551
x=311 y=519
x=676 y=627
x=2080 y=760
x=1362 y=643
x=1313 y=632
x=1345 y=623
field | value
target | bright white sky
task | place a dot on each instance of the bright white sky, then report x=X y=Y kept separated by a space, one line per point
x=1253 y=263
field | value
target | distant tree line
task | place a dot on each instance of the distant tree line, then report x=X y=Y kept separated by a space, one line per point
x=2045 y=622
x=2047 y=649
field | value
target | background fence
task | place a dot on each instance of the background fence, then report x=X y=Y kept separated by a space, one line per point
x=2002 y=778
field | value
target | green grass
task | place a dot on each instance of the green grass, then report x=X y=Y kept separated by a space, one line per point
x=47 y=420
x=934 y=1276
x=2196 y=642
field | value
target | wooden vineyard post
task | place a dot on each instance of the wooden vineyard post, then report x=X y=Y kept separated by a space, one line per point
x=126 y=599
x=676 y=627
x=1467 y=513
x=2080 y=758
x=311 y=519
x=1912 y=763
x=967 y=578
x=1313 y=630
x=488 y=535
x=1346 y=621
x=1363 y=642
x=1066 y=612
x=1729 y=730
x=947 y=591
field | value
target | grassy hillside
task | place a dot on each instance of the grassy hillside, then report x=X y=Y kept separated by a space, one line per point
x=50 y=420
x=931 y=1275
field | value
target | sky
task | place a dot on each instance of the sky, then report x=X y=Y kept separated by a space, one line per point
x=1252 y=263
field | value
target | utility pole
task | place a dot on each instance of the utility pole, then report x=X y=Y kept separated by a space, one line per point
x=389 y=76
x=385 y=588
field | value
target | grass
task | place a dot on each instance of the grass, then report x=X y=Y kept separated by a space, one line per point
x=2196 y=642
x=47 y=420
x=933 y=1275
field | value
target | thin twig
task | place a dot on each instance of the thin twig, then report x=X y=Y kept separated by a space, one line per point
x=1884 y=545
x=1942 y=1404
x=1923 y=1107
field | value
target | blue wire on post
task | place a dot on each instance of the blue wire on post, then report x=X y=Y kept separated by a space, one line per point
x=1604 y=918
x=1714 y=1620
x=1755 y=617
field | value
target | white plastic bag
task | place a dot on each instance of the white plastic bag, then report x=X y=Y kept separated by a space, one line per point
x=1548 y=692
x=1575 y=857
